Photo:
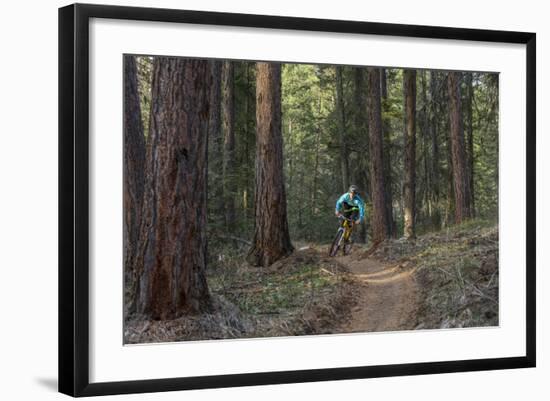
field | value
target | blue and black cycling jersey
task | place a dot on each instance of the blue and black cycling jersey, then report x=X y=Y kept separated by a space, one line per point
x=344 y=203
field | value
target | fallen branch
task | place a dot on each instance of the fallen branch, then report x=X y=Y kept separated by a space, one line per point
x=232 y=237
x=491 y=280
x=444 y=271
x=482 y=294
x=145 y=327
x=327 y=271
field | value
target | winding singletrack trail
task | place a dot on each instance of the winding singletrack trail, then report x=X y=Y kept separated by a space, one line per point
x=387 y=296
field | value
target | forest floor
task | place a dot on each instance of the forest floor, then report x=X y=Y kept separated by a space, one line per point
x=445 y=279
x=386 y=296
x=456 y=274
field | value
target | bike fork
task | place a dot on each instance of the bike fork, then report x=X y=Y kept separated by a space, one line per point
x=341 y=237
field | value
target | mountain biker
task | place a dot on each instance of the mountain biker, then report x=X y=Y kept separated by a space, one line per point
x=348 y=201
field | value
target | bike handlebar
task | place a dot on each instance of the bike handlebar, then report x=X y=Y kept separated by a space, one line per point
x=353 y=209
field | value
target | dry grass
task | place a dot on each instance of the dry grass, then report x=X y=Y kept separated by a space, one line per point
x=305 y=293
x=308 y=293
x=223 y=321
x=457 y=270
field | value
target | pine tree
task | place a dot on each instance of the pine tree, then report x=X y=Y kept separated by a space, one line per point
x=271 y=237
x=379 y=223
x=172 y=259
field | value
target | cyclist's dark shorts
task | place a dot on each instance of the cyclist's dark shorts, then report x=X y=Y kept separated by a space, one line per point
x=354 y=215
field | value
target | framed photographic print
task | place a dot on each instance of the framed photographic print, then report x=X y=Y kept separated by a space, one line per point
x=250 y=199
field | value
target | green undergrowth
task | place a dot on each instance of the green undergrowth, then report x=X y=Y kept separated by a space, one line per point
x=302 y=294
x=256 y=292
x=305 y=293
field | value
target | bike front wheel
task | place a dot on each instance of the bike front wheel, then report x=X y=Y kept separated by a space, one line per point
x=336 y=243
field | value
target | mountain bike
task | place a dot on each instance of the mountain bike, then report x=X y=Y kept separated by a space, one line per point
x=343 y=235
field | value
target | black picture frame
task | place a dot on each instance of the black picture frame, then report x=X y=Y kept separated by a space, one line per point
x=74 y=199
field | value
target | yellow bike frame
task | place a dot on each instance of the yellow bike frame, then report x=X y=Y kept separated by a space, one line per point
x=348 y=228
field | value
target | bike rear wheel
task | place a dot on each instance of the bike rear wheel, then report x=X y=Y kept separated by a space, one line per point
x=347 y=247
x=336 y=243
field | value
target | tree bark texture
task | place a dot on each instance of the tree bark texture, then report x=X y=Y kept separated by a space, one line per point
x=468 y=102
x=134 y=165
x=424 y=193
x=215 y=138
x=340 y=107
x=172 y=279
x=229 y=165
x=434 y=99
x=362 y=132
x=386 y=149
x=409 y=183
x=378 y=193
x=460 y=169
x=271 y=237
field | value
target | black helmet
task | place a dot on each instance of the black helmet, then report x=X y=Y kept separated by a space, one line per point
x=354 y=189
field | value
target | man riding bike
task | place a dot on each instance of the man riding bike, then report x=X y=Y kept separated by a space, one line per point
x=348 y=203
x=350 y=208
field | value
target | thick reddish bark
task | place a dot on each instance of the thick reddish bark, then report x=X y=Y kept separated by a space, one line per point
x=378 y=193
x=359 y=98
x=172 y=278
x=134 y=165
x=228 y=114
x=271 y=238
x=433 y=122
x=215 y=139
x=460 y=169
x=409 y=183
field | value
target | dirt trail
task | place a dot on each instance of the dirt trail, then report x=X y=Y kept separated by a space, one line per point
x=387 y=295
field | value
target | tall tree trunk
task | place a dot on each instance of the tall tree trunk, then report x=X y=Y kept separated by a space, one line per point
x=314 y=206
x=318 y=132
x=361 y=132
x=134 y=168
x=172 y=264
x=409 y=184
x=216 y=139
x=470 y=138
x=342 y=129
x=250 y=133
x=301 y=200
x=246 y=142
x=271 y=237
x=387 y=146
x=460 y=169
x=450 y=206
x=434 y=165
x=229 y=165
x=379 y=216
x=424 y=195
